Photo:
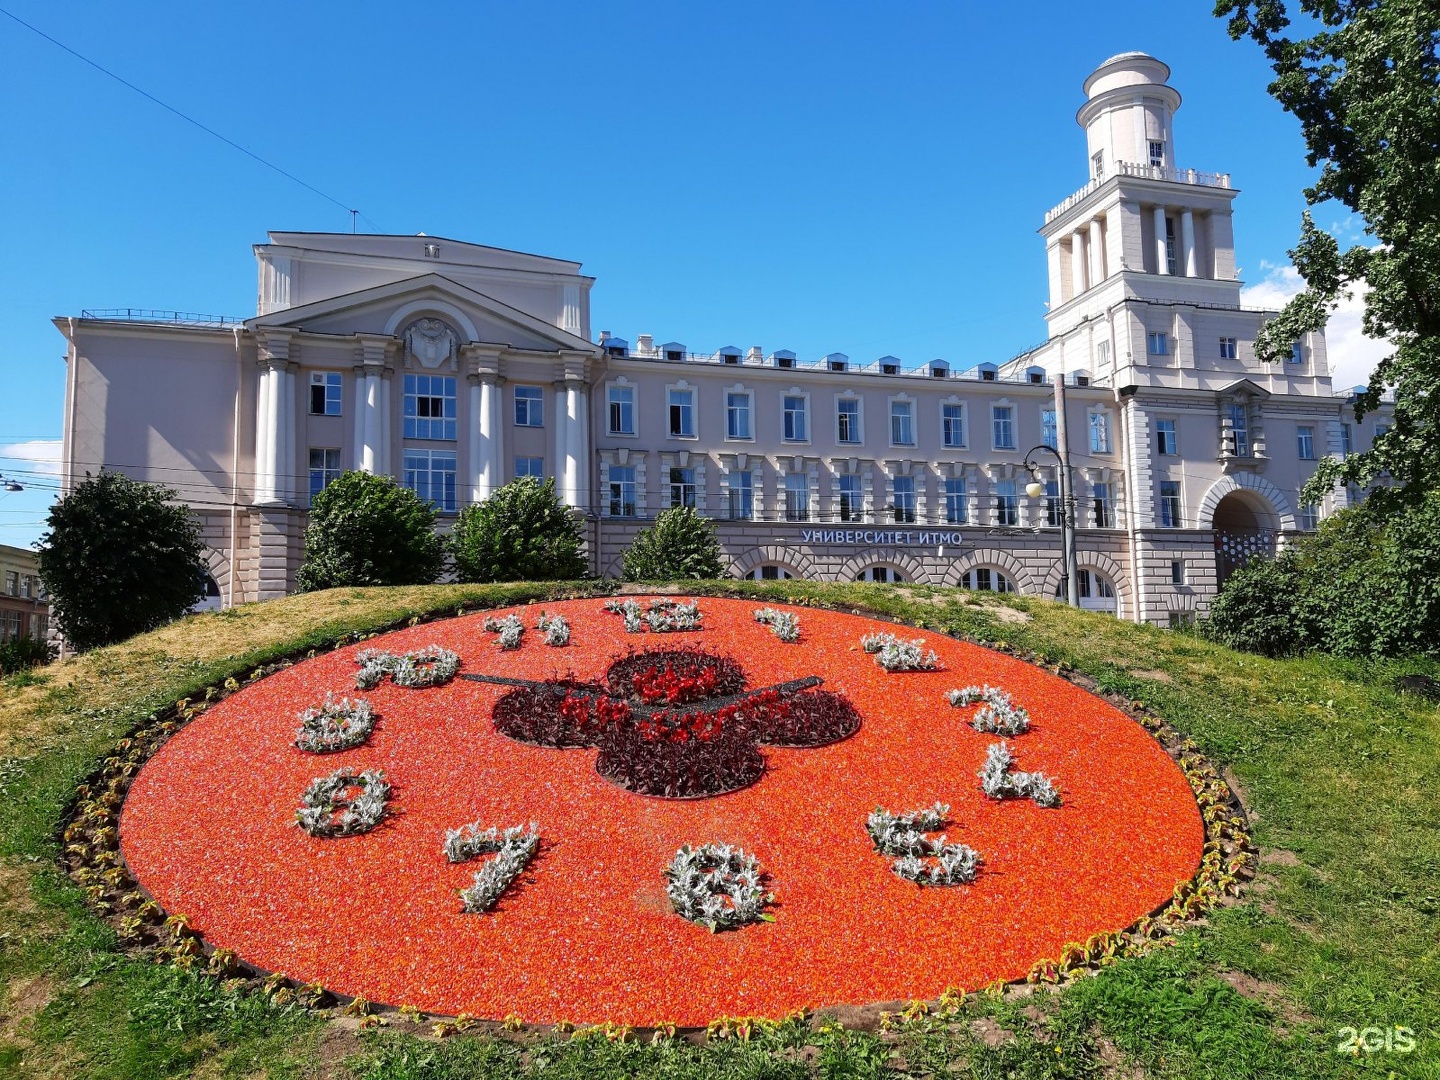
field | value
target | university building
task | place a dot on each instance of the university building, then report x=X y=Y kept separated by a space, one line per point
x=457 y=367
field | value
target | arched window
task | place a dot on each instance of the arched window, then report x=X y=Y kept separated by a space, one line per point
x=986 y=578
x=769 y=572
x=1097 y=593
x=880 y=573
x=211 y=600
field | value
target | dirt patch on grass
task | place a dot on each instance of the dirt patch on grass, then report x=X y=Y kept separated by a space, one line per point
x=1279 y=857
x=1271 y=995
x=1154 y=676
x=990 y=1033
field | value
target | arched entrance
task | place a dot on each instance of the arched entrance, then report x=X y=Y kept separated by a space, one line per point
x=1245 y=526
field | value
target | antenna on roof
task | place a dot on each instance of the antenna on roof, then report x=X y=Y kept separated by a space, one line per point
x=353 y=215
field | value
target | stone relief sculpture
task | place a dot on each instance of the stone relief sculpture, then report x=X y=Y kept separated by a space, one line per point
x=431 y=342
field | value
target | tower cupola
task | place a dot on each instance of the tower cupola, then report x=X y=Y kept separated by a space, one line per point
x=1129 y=117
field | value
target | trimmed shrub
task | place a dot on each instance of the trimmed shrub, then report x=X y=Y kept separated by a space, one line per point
x=520 y=533
x=1257 y=609
x=368 y=530
x=23 y=653
x=681 y=545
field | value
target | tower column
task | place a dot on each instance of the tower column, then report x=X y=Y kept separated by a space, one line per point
x=562 y=443
x=477 y=413
x=1096 y=247
x=1078 y=261
x=1187 y=241
x=1162 y=260
x=265 y=436
x=285 y=433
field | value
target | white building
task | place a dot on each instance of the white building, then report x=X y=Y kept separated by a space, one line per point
x=457 y=367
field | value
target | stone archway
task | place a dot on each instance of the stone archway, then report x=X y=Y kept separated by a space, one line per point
x=1001 y=560
x=1247 y=515
x=1097 y=562
x=798 y=563
x=907 y=564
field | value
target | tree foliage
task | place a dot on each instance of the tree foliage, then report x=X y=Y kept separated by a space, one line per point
x=1365 y=86
x=520 y=533
x=368 y=530
x=119 y=558
x=681 y=545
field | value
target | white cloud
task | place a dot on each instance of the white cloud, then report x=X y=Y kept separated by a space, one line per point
x=35 y=456
x=1353 y=355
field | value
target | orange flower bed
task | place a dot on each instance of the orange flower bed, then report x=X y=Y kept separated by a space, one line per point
x=587 y=934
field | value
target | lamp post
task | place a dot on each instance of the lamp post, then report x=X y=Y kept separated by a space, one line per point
x=1061 y=453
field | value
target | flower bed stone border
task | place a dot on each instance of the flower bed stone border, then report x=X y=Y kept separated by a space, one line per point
x=717 y=886
x=326 y=808
x=335 y=725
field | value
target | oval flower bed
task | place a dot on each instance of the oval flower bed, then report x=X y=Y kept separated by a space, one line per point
x=587 y=932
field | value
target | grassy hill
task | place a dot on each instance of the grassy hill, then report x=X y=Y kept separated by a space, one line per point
x=1341 y=928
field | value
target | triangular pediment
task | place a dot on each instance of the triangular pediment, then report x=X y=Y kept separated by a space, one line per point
x=1243 y=386
x=388 y=309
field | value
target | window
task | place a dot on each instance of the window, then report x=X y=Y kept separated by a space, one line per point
x=431 y=475
x=952 y=423
x=1007 y=503
x=1102 y=353
x=429 y=407
x=324 y=393
x=324 y=467
x=1159 y=343
x=1002 y=421
x=682 y=487
x=902 y=425
x=1170 y=246
x=1307 y=443
x=622 y=490
x=797 y=497
x=1104 y=506
x=880 y=574
x=1170 y=504
x=903 y=490
x=1178 y=620
x=1297 y=353
x=851 y=503
x=1053 y=510
x=530 y=466
x=1157 y=153
x=1097 y=165
x=957 y=501
x=985 y=578
x=1347 y=446
x=1177 y=572
x=1309 y=517
x=1099 y=432
x=737 y=415
x=12 y=583
x=1166 y=442
x=795 y=426
x=847 y=420
x=742 y=495
x=682 y=413
x=1228 y=349
x=529 y=407
x=1049 y=433
x=1380 y=430
x=13 y=627
x=1239 y=430
x=622 y=409
x=769 y=573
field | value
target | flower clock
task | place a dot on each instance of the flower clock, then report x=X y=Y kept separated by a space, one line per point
x=700 y=781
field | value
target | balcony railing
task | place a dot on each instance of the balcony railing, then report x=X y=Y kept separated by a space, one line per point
x=158 y=315
x=1144 y=172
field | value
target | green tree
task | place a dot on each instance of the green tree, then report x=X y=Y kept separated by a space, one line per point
x=520 y=533
x=119 y=558
x=368 y=530
x=1257 y=610
x=1364 y=87
x=680 y=545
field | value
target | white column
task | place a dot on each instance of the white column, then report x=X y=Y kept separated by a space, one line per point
x=285 y=432
x=479 y=421
x=358 y=436
x=582 y=447
x=1096 y=248
x=497 y=435
x=561 y=441
x=264 y=486
x=370 y=446
x=386 y=463
x=572 y=430
x=1187 y=242
x=1162 y=264
x=1077 y=263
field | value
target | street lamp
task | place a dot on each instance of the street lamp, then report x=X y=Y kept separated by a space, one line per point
x=1069 y=577
x=11 y=485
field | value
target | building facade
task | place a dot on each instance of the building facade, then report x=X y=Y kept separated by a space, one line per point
x=457 y=367
x=24 y=611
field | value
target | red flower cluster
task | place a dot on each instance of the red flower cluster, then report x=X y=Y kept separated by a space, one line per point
x=656 y=685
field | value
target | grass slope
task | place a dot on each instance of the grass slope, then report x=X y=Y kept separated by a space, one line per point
x=1339 y=929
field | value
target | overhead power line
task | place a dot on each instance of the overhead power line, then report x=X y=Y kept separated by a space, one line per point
x=187 y=118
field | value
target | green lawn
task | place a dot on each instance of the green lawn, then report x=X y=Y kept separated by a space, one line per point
x=1339 y=929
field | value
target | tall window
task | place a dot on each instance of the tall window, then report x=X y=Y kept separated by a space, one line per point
x=1297 y=353
x=957 y=501
x=1307 y=443
x=1104 y=506
x=1240 y=429
x=431 y=475
x=795 y=426
x=1159 y=343
x=1053 y=516
x=987 y=579
x=797 y=497
x=1170 y=245
x=1049 y=433
x=952 y=423
x=1099 y=432
x=1228 y=348
x=324 y=393
x=622 y=409
x=742 y=495
x=1007 y=503
x=847 y=420
x=622 y=490
x=682 y=487
x=1002 y=422
x=1170 y=504
x=1165 y=439
x=902 y=423
x=851 y=503
x=324 y=467
x=1309 y=517
x=903 y=489
x=529 y=406
x=12 y=583
x=737 y=415
x=1102 y=353
x=1347 y=445
x=1097 y=165
x=682 y=413
x=429 y=407
x=530 y=466
x=1157 y=153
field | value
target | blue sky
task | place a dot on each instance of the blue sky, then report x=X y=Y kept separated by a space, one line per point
x=860 y=178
